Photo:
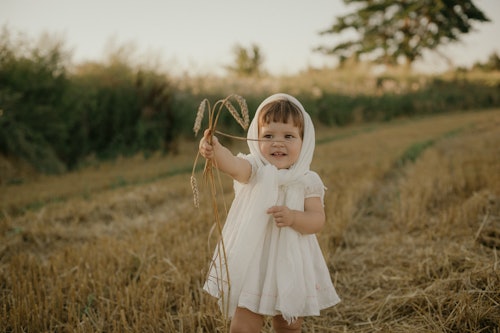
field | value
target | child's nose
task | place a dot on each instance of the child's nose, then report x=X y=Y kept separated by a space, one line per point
x=278 y=143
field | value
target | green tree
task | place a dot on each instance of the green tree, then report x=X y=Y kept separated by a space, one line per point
x=395 y=31
x=33 y=86
x=247 y=62
x=54 y=118
x=492 y=64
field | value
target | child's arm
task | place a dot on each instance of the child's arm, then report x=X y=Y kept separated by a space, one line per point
x=310 y=221
x=238 y=168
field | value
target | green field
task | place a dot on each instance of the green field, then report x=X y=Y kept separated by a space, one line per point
x=411 y=239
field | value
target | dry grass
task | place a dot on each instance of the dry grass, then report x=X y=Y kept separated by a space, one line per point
x=412 y=246
x=37 y=190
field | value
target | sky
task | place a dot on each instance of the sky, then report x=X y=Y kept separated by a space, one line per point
x=198 y=36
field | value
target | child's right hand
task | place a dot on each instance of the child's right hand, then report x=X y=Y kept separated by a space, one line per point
x=206 y=149
x=238 y=168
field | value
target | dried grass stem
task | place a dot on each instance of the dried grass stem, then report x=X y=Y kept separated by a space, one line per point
x=242 y=119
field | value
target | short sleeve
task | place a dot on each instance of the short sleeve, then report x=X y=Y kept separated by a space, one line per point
x=314 y=186
x=251 y=159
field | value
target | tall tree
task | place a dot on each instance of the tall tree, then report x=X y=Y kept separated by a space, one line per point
x=391 y=31
x=247 y=62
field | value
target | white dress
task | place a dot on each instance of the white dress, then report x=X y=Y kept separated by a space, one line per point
x=259 y=285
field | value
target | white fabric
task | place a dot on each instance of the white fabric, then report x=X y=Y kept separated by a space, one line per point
x=272 y=270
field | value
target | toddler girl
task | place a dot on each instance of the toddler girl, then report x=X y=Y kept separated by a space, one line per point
x=275 y=264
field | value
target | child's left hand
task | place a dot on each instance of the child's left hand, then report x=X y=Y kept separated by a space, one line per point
x=283 y=216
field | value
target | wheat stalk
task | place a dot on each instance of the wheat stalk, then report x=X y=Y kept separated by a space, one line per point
x=196 y=193
x=242 y=118
x=214 y=112
x=199 y=115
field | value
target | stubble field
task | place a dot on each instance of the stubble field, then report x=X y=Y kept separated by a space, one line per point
x=411 y=240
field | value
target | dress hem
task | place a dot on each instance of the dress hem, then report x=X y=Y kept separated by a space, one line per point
x=277 y=312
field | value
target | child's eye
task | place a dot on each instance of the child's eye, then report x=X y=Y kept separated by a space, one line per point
x=289 y=136
x=267 y=136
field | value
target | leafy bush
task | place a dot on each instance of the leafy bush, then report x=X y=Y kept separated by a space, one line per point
x=55 y=118
x=438 y=96
x=32 y=88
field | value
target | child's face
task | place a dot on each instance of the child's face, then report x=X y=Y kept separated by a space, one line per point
x=281 y=143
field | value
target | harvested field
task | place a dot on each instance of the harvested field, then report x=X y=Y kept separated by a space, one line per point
x=412 y=237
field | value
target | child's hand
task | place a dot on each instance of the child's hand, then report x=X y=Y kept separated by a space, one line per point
x=206 y=149
x=283 y=216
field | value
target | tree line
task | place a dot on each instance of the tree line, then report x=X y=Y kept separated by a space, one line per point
x=56 y=118
x=53 y=118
